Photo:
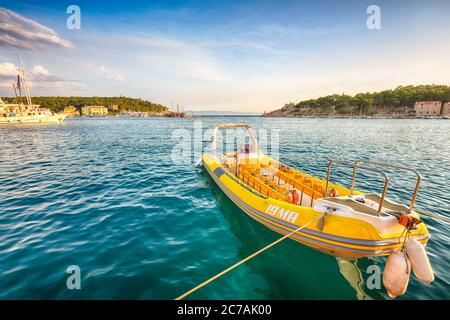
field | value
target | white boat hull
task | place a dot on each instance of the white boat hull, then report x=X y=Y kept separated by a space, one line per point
x=41 y=118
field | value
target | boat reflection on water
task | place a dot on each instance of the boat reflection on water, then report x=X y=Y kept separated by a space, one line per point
x=351 y=272
x=290 y=271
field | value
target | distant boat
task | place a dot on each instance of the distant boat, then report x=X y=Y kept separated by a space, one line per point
x=23 y=110
x=211 y=113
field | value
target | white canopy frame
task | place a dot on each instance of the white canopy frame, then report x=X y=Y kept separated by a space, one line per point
x=230 y=126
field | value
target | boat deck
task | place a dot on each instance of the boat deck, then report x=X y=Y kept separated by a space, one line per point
x=277 y=181
x=355 y=205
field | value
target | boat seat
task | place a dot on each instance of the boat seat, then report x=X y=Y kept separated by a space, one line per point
x=283 y=189
x=273 y=184
x=265 y=162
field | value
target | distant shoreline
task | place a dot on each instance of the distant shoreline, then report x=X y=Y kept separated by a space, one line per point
x=402 y=102
x=358 y=117
x=259 y=116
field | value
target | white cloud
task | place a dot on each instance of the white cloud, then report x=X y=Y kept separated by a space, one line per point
x=180 y=58
x=41 y=81
x=111 y=75
x=21 y=32
x=38 y=73
x=39 y=70
x=60 y=87
x=7 y=70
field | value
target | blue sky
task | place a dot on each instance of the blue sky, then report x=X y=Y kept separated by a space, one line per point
x=224 y=55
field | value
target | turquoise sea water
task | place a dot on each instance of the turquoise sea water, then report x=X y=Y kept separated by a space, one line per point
x=104 y=194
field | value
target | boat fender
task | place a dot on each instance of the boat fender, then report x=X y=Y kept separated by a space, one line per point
x=396 y=273
x=419 y=261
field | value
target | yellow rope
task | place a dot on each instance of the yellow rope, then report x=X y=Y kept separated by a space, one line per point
x=246 y=259
x=433 y=215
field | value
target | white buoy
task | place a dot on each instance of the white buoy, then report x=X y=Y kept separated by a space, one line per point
x=419 y=261
x=396 y=273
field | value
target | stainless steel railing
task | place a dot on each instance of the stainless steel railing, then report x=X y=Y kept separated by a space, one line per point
x=387 y=165
x=354 y=166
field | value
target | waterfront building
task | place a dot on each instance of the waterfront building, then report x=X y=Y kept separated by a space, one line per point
x=113 y=107
x=446 y=110
x=428 y=108
x=71 y=111
x=93 y=111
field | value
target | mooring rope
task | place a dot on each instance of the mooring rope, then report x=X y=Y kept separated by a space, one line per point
x=246 y=259
x=432 y=215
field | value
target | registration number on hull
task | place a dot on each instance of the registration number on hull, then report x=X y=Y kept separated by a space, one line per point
x=281 y=213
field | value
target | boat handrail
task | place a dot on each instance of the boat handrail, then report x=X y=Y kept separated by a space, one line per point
x=304 y=186
x=311 y=188
x=352 y=165
x=313 y=192
x=387 y=165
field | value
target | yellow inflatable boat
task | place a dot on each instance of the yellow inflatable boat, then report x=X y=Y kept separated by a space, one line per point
x=353 y=223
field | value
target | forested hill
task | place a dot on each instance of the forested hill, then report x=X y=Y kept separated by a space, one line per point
x=398 y=100
x=57 y=104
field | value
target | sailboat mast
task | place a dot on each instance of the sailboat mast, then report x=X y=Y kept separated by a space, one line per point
x=20 y=80
x=15 y=93
x=22 y=71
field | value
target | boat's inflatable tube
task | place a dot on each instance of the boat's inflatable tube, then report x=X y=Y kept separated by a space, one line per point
x=419 y=261
x=396 y=273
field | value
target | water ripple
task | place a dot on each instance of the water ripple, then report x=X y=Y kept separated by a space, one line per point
x=102 y=194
